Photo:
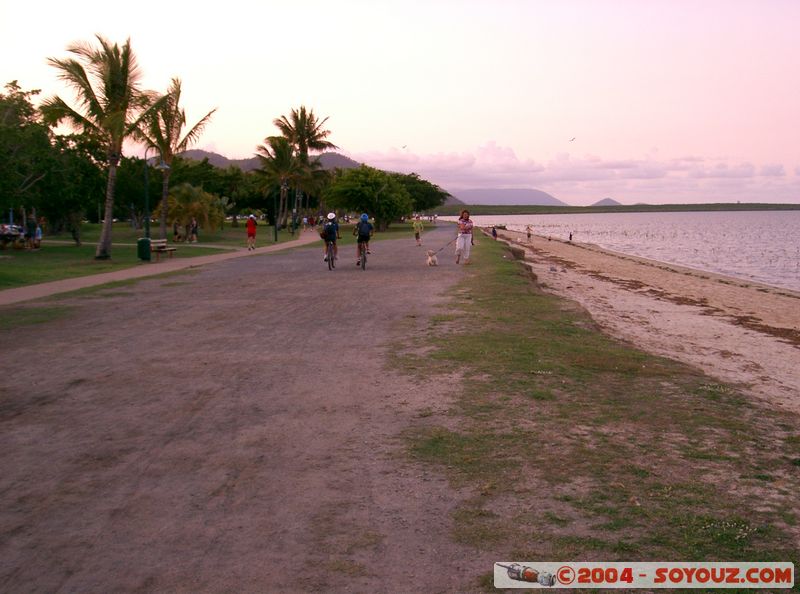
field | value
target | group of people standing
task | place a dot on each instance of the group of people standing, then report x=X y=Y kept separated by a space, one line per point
x=185 y=232
x=33 y=233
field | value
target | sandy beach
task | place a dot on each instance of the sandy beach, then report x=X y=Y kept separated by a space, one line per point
x=736 y=331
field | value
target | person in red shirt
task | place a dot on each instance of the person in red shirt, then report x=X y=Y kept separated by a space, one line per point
x=251 y=232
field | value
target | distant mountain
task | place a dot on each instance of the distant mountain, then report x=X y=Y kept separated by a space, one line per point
x=335 y=160
x=328 y=160
x=515 y=197
x=607 y=202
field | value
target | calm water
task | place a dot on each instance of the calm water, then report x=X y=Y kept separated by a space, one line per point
x=762 y=246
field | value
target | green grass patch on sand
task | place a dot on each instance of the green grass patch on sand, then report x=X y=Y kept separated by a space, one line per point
x=575 y=446
x=15 y=317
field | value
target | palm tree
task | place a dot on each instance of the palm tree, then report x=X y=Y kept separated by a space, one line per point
x=163 y=130
x=187 y=201
x=305 y=133
x=314 y=179
x=281 y=166
x=111 y=107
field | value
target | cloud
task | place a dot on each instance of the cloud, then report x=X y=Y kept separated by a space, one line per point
x=743 y=170
x=590 y=177
x=773 y=171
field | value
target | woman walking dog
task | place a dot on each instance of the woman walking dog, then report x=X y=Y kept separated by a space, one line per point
x=464 y=239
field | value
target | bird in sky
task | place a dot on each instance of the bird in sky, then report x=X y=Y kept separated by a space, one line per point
x=405 y=145
x=571 y=139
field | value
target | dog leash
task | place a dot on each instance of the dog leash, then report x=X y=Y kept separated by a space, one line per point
x=445 y=245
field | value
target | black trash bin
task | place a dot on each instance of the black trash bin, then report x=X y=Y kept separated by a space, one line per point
x=143 y=248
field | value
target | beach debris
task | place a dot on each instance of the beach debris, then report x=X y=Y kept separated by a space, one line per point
x=553 y=269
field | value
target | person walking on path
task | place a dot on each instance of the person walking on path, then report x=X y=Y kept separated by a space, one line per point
x=494 y=233
x=251 y=232
x=464 y=239
x=528 y=231
x=418 y=227
x=193 y=231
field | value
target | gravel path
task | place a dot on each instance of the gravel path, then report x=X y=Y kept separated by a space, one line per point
x=234 y=429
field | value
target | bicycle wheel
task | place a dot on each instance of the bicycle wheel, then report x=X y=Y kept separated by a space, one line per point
x=331 y=263
x=363 y=256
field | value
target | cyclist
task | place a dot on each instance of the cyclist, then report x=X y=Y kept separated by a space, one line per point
x=364 y=231
x=330 y=232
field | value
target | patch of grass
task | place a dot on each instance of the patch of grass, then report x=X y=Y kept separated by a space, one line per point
x=486 y=582
x=56 y=262
x=640 y=452
x=346 y=567
x=555 y=519
x=113 y=289
x=22 y=316
x=364 y=540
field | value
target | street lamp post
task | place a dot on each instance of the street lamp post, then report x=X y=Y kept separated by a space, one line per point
x=275 y=215
x=146 y=197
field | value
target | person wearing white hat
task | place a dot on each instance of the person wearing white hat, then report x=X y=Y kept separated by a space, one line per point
x=330 y=232
x=251 y=232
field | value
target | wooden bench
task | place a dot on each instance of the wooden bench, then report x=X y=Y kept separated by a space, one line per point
x=159 y=246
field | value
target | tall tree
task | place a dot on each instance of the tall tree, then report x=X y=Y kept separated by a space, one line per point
x=111 y=106
x=164 y=130
x=280 y=166
x=305 y=133
x=26 y=155
x=370 y=190
x=424 y=194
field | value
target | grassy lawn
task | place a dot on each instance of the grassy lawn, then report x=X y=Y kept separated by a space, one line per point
x=56 y=262
x=227 y=237
x=575 y=446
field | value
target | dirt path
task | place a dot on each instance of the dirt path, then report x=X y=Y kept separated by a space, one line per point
x=236 y=429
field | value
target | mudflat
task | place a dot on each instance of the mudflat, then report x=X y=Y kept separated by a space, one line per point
x=235 y=428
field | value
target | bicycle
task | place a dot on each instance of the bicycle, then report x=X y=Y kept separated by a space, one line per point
x=362 y=250
x=331 y=255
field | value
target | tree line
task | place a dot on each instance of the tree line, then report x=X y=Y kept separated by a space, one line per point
x=68 y=178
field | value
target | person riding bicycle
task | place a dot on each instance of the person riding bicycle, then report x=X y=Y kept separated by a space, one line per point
x=364 y=231
x=330 y=232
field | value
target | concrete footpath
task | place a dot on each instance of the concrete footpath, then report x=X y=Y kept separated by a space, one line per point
x=29 y=292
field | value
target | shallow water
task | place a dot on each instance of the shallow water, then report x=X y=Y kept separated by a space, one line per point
x=761 y=246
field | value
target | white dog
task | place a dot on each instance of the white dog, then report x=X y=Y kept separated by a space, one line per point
x=432 y=259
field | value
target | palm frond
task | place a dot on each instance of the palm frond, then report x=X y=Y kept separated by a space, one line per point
x=194 y=134
x=74 y=74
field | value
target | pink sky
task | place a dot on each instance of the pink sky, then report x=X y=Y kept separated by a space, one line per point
x=668 y=100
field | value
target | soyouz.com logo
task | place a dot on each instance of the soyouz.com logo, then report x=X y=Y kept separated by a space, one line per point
x=620 y=575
